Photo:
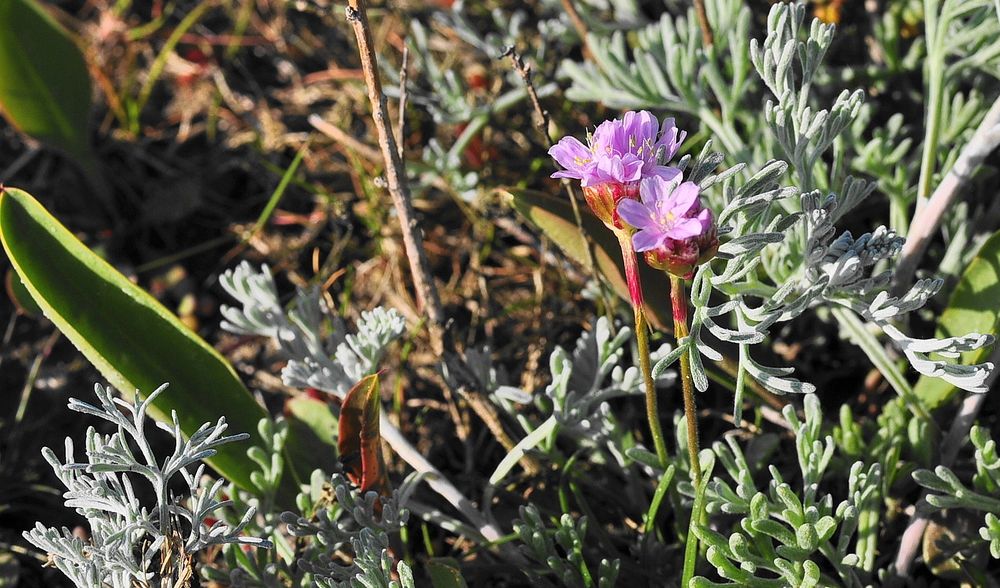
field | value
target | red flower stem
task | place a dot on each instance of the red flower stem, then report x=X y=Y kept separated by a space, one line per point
x=631 y=264
x=678 y=303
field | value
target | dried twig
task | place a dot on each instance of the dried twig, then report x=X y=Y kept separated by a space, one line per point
x=542 y=123
x=579 y=25
x=459 y=374
x=344 y=139
x=928 y=218
x=395 y=173
x=401 y=125
x=706 y=29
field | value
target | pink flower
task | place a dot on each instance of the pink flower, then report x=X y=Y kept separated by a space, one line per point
x=620 y=151
x=675 y=231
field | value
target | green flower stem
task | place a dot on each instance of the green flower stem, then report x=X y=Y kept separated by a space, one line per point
x=678 y=302
x=691 y=541
x=631 y=264
x=935 y=23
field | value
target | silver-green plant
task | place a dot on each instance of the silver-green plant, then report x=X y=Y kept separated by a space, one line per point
x=786 y=536
x=948 y=490
x=790 y=234
x=361 y=521
x=132 y=543
x=330 y=359
x=558 y=551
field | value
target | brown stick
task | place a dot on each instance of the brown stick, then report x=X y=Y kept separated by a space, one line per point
x=423 y=280
x=542 y=123
x=395 y=175
x=579 y=25
x=706 y=29
x=401 y=125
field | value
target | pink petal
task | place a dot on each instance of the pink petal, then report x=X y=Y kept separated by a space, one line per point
x=635 y=214
x=632 y=169
x=646 y=239
x=653 y=189
x=684 y=198
x=571 y=153
x=664 y=171
x=705 y=218
x=685 y=228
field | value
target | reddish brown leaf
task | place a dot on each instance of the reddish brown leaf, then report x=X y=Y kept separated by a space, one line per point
x=359 y=440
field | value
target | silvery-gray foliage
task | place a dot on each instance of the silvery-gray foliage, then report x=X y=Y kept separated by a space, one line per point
x=785 y=536
x=558 y=550
x=331 y=362
x=130 y=542
x=789 y=233
x=582 y=383
x=948 y=490
x=361 y=521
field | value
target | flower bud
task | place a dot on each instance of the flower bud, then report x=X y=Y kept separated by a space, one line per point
x=674 y=231
x=603 y=201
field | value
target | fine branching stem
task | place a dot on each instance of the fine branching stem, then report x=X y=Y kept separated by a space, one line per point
x=399 y=190
x=542 y=123
x=935 y=72
x=579 y=25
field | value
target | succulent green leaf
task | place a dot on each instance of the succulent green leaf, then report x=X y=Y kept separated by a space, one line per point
x=44 y=83
x=132 y=339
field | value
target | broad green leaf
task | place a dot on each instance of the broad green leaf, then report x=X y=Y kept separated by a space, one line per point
x=44 y=82
x=973 y=308
x=132 y=339
x=554 y=216
x=444 y=573
x=313 y=422
x=358 y=441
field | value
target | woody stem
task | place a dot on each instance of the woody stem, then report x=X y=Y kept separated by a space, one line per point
x=631 y=264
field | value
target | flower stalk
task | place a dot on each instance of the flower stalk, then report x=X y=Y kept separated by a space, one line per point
x=631 y=264
x=678 y=303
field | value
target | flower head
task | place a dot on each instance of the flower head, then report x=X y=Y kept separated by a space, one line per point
x=620 y=151
x=675 y=231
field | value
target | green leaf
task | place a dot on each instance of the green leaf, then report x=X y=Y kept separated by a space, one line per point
x=314 y=425
x=554 y=216
x=444 y=573
x=44 y=83
x=972 y=308
x=132 y=339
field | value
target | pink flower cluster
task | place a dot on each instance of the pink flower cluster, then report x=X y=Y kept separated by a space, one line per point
x=625 y=158
x=620 y=151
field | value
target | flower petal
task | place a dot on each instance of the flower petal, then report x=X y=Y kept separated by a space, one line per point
x=665 y=172
x=647 y=239
x=653 y=189
x=685 y=228
x=635 y=214
x=571 y=154
x=684 y=198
